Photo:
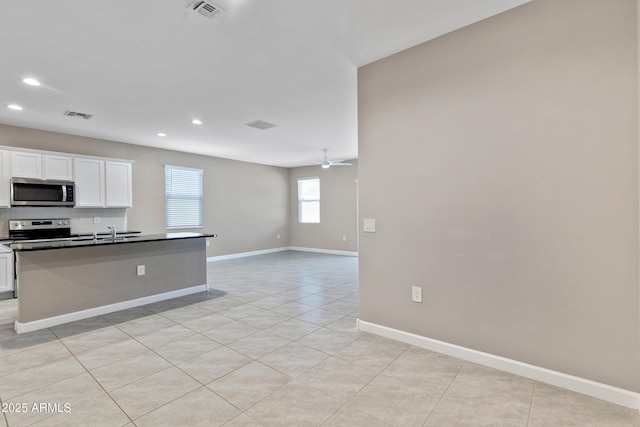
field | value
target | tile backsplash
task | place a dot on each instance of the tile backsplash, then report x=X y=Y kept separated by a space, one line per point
x=81 y=218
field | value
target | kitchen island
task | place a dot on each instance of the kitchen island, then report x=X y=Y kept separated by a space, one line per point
x=62 y=281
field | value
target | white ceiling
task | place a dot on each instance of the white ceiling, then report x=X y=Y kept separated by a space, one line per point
x=148 y=66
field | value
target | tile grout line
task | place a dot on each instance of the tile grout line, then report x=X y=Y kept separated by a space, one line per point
x=202 y=385
x=92 y=376
x=147 y=376
x=365 y=385
x=275 y=369
x=161 y=314
x=4 y=414
x=46 y=385
x=444 y=393
x=533 y=394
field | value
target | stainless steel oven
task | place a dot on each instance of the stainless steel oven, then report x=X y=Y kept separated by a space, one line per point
x=23 y=230
x=39 y=192
x=31 y=231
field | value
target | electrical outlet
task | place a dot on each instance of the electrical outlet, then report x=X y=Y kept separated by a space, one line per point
x=416 y=294
x=141 y=270
x=96 y=220
x=278 y=237
x=208 y=242
x=344 y=238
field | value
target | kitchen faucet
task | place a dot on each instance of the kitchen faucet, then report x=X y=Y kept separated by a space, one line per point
x=113 y=231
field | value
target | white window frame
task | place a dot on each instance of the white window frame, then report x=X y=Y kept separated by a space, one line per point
x=302 y=201
x=170 y=216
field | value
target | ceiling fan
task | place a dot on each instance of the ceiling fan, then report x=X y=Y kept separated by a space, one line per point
x=326 y=163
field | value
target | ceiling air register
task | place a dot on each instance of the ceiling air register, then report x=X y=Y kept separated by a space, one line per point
x=205 y=8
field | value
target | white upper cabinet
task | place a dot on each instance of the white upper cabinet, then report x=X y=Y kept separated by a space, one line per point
x=99 y=182
x=89 y=179
x=58 y=167
x=118 y=184
x=41 y=166
x=5 y=179
x=26 y=165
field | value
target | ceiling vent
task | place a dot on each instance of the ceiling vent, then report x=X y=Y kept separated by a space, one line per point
x=79 y=115
x=206 y=8
x=260 y=124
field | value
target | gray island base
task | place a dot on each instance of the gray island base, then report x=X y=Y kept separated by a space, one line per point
x=71 y=281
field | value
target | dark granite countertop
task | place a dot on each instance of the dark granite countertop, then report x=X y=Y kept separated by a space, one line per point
x=107 y=233
x=88 y=241
x=8 y=239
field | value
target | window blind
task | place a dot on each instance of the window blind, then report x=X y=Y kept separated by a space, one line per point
x=309 y=200
x=183 y=190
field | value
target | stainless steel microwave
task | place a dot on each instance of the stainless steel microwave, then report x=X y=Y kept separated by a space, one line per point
x=39 y=192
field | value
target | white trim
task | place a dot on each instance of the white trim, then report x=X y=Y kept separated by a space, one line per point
x=324 y=251
x=246 y=254
x=283 y=249
x=98 y=311
x=605 y=392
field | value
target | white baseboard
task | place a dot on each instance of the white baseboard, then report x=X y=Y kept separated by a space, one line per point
x=601 y=391
x=99 y=311
x=323 y=251
x=246 y=254
x=274 y=250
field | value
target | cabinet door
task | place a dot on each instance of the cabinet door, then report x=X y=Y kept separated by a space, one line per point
x=89 y=179
x=26 y=165
x=6 y=272
x=5 y=179
x=58 y=167
x=118 y=184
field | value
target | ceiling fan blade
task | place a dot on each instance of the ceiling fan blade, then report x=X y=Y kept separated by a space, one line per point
x=326 y=163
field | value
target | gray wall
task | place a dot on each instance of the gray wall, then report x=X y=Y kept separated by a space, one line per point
x=501 y=164
x=245 y=203
x=62 y=281
x=338 y=209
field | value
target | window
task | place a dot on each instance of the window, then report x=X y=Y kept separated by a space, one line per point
x=183 y=189
x=309 y=200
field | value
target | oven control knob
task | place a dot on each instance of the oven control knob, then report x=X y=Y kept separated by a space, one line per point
x=22 y=224
x=59 y=222
x=64 y=222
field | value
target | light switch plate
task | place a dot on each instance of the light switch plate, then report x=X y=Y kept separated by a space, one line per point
x=416 y=294
x=141 y=270
x=369 y=225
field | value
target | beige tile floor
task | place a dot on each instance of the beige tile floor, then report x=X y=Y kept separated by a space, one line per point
x=274 y=343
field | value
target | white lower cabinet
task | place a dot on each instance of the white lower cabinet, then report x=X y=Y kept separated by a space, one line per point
x=6 y=269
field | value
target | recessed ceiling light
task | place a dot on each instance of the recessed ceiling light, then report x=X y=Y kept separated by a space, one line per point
x=14 y=107
x=31 y=81
x=196 y=122
x=161 y=134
